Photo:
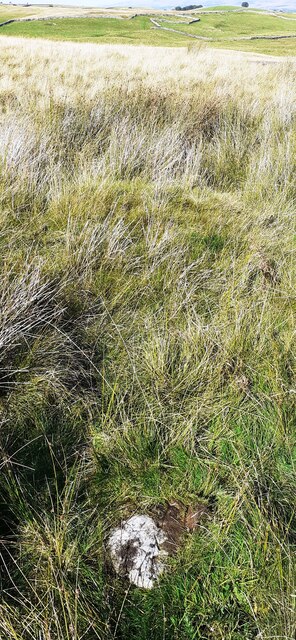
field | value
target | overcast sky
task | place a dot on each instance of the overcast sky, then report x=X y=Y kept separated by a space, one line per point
x=263 y=4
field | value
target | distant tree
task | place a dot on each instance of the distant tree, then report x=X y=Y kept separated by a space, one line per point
x=189 y=7
x=245 y=5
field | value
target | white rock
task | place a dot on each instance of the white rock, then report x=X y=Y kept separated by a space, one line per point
x=136 y=552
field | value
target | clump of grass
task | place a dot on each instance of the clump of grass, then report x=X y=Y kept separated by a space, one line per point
x=147 y=325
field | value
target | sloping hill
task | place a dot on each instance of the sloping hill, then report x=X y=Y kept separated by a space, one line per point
x=264 y=32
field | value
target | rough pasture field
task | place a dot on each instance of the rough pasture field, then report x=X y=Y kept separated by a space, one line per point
x=147 y=332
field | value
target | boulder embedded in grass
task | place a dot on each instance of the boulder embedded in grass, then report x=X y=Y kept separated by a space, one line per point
x=139 y=547
x=136 y=550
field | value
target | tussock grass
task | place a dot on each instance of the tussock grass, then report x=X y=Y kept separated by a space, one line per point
x=147 y=332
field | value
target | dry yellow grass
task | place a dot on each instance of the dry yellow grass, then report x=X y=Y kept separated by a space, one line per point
x=63 y=11
x=73 y=70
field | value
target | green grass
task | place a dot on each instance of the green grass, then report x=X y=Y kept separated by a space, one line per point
x=147 y=335
x=220 y=29
x=269 y=47
x=237 y=25
x=136 y=31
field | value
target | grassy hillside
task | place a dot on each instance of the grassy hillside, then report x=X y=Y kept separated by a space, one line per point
x=229 y=28
x=241 y=24
x=148 y=338
x=113 y=30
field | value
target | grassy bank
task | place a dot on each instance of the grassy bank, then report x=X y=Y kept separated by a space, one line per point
x=147 y=332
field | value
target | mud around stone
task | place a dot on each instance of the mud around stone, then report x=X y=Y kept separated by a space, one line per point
x=176 y=519
x=141 y=544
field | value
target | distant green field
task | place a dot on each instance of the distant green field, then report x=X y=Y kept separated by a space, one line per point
x=267 y=47
x=137 y=31
x=230 y=30
x=240 y=24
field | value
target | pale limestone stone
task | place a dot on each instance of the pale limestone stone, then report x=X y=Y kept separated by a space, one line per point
x=136 y=550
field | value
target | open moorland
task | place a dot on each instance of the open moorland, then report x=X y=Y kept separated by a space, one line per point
x=147 y=333
x=223 y=27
